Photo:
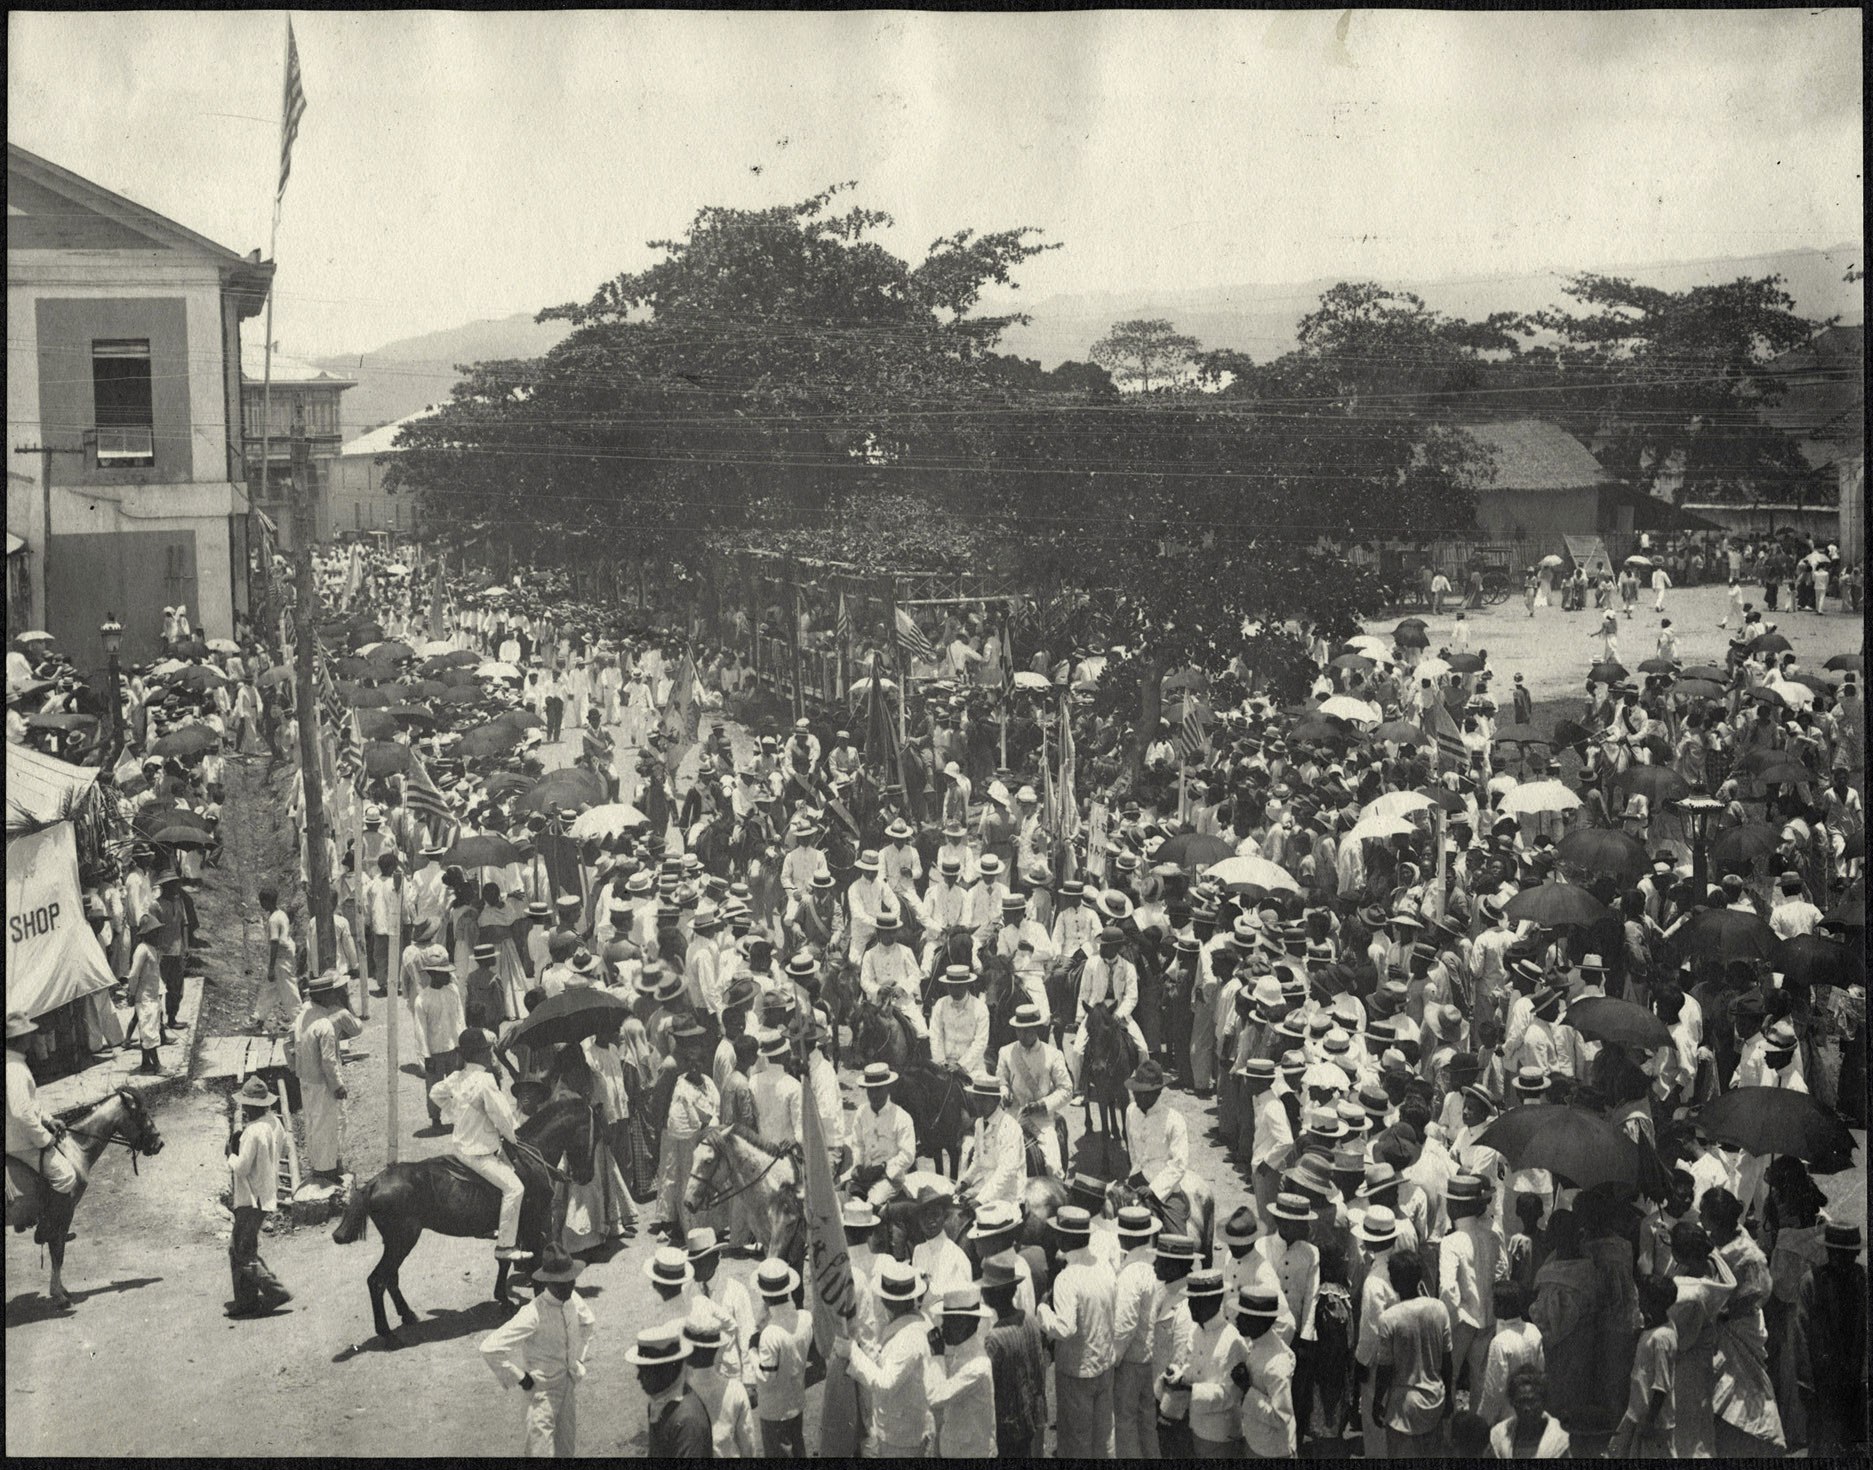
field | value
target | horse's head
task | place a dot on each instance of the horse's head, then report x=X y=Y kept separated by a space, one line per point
x=564 y=1129
x=702 y=1166
x=138 y=1128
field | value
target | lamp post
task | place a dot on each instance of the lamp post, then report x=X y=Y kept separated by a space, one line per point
x=1699 y=810
x=111 y=635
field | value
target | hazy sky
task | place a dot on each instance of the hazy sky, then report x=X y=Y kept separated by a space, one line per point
x=456 y=166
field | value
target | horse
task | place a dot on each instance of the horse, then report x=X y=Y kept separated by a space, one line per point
x=1003 y=995
x=1110 y=1057
x=440 y=1194
x=120 y=1118
x=1197 y=1194
x=958 y=948
x=839 y=993
x=728 y=1170
x=932 y=1095
x=1063 y=994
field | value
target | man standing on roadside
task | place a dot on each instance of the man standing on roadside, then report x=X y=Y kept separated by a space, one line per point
x=254 y=1151
x=320 y=1025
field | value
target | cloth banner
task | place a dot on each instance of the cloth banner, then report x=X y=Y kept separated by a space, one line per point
x=53 y=958
x=829 y=1274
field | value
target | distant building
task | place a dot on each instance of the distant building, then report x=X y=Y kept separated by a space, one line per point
x=357 y=498
x=1545 y=485
x=123 y=377
x=301 y=394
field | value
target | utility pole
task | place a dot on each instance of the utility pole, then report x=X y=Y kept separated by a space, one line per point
x=45 y=453
x=318 y=866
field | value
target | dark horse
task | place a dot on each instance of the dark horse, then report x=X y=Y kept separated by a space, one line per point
x=932 y=1095
x=120 y=1118
x=439 y=1194
x=1003 y=995
x=1110 y=1057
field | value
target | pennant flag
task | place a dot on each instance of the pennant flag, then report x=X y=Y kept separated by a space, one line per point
x=293 y=108
x=842 y=626
x=421 y=794
x=829 y=1275
x=1192 y=733
x=911 y=638
x=682 y=715
x=1069 y=760
x=1439 y=726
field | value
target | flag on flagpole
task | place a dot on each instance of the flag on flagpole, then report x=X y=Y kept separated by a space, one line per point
x=1192 y=733
x=842 y=627
x=682 y=715
x=332 y=706
x=911 y=638
x=292 y=109
x=1069 y=759
x=1439 y=727
x=834 y=1295
x=421 y=794
x=350 y=760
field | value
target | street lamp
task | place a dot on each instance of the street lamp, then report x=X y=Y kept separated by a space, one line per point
x=1698 y=810
x=111 y=635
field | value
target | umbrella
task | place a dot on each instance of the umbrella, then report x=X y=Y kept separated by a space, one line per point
x=1728 y=934
x=1845 y=662
x=1194 y=850
x=483 y=850
x=1322 y=728
x=1770 y=643
x=223 y=645
x=1258 y=871
x=391 y=652
x=1604 y=850
x=1774 y=1120
x=202 y=677
x=366 y=632
x=1540 y=796
x=1712 y=672
x=462 y=694
x=1658 y=666
x=396 y=569
x=1700 y=688
x=34 y=635
x=574 y=786
x=1607 y=671
x=1746 y=843
x=495 y=738
x=369 y=698
x=422 y=688
x=1520 y=735
x=278 y=674
x=1850 y=912
x=1785 y=773
x=459 y=679
x=180 y=836
x=1396 y=804
x=522 y=718
x=1635 y=560
x=191 y=740
x=155 y=818
x=409 y=712
x=377 y=724
x=1028 y=679
x=1557 y=906
x=506 y=783
x=569 y=1017
x=61 y=722
x=864 y=685
x=1657 y=784
x=1411 y=636
x=1343 y=707
x=1808 y=959
x=384 y=757
x=1601 y=1018
x=1551 y=560
x=1376 y=828
x=1345 y=661
x=436 y=648
x=1430 y=668
x=1414 y=621
x=495 y=592
x=609 y=820
x=1401 y=731
x=1465 y=663
x=1442 y=796
x=1372 y=646
x=1579 y=1145
x=495 y=669
x=461 y=658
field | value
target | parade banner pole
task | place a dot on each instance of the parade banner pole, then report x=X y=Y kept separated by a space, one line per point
x=357 y=901
x=393 y=1004
x=829 y=1274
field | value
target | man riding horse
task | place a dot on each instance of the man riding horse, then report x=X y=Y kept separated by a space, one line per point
x=1159 y=1144
x=1035 y=1076
x=884 y=1140
x=1111 y=980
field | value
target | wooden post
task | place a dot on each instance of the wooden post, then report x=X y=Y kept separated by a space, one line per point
x=393 y=1004
x=799 y=682
x=319 y=932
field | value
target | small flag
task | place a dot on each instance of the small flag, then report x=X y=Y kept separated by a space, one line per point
x=421 y=795
x=329 y=701
x=350 y=757
x=912 y=639
x=1191 y=735
x=842 y=628
x=1069 y=759
x=1439 y=726
x=293 y=108
x=682 y=715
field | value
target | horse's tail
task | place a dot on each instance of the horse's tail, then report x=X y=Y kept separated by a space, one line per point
x=357 y=1216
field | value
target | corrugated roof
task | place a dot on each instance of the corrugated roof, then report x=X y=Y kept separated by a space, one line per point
x=379 y=441
x=291 y=370
x=37 y=784
x=1534 y=454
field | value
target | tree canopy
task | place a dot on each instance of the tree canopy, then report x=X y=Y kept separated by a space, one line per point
x=1147 y=352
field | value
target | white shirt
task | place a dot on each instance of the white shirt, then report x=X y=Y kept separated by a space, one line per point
x=886 y=1137
x=776 y=1102
x=481 y=1113
x=256 y=1165
x=546 y=1339
x=995 y=1158
x=959 y=1031
x=1159 y=1142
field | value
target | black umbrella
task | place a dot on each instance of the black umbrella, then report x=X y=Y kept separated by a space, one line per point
x=1193 y=850
x=1850 y=912
x=1711 y=672
x=1607 y=671
x=1604 y=850
x=1771 y=643
x=1728 y=934
x=1602 y=1018
x=573 y=786
x=482 y=850
x=1580 y=1145
x=1657 y=784
x=191 y=740
x=1808 y=960
x=570 y=1016
x=1746 y=843
x=385 y=757
x=1845 y=662
x=1774 y=1120
x=1557 y=906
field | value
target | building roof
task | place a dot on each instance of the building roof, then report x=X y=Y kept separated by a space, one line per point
x=290 y=370
x=31 y=179
x=1534 y=454
x=379 y=440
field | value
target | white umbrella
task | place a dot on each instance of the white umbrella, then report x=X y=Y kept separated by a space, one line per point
x=864 y=685
x=497 y=670
x=223 y=645
x=607 y=821
x=1375 y=827
x=364 y=650
x=167 y=667
x=1540 y=796
x=1028 y=679
x=1638 y=561
x=397 y=569
x=34 y=635
x=1345 y=707
x=495 y=592
x=1430 y=668
x=1259 y=871
x=1500 y=784
x=1373 y=646
x=1395 y=804
x=1799 y=695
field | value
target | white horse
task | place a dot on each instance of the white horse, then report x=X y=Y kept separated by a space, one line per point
x=752 y=1186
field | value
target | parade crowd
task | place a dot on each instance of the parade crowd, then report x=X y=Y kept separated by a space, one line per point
x=1523 y=1071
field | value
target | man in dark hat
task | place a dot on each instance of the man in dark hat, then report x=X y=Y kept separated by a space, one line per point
x=254 y=1152
x=1830 y=1348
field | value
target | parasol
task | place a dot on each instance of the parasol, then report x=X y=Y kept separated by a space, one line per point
x=495 y=669
x=436 y=648
x=385 y=757
x=180 y=836
x=1520 y=735
x=1344 y=707
x=1602 y=1018
x=1636 y=560
x=1534 y=797
x=191 y=740
x=483 y=850
x=1321 y=728
x=569 y=1017
x=1604 y=850
x=1775 y=1120
x=1028 y=679
x=391 y=652
x=1411 y=636
x=461 y=694
x=1809 y=960
x=1465 y=663
x=1551 y=560
x=278 y=674
x=495 y=738
x=1658 y=666
x=1356 y=661
x=1700 y=689
x=34 y=635
x=1194 y=850
x=1784 y=773
x=1770 y=643
x=223 y=645
x=1396 y=804
x=611 y=820
x=1657 y=784
x=521 y=718
x=370 y=698
x=1728 y=934
x=377 y=724
x=1558 y=906
x=1845 y=662
x=1430 y=668
x=1377 y=828
x=1403 y=732
x=572 y=787
x=1443 y=796
x=1581 y=1146
x=1258 y=871
x=1711 y=672
x=1607 y=671
x=1746 y=843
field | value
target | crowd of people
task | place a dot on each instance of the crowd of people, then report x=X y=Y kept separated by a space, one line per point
x=1460 y=998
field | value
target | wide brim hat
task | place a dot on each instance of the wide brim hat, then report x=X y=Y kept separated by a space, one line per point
x=957 y=975
x=994 y=1217
x=774 y=1279
x=1377 y=1227
x=1149 y=1077
x=1027 y=1017
x=897 y=1282
x=877 y=1074
x=254 y=1091
x=19 y=1024
x=556 y=1265
x=327 y=984
x=1293 y=1208
x=656 y=1346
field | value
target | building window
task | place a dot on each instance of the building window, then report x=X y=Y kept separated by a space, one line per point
x=126 y=416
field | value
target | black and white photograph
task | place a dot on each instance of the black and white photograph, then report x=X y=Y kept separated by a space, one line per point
x=1125 y=734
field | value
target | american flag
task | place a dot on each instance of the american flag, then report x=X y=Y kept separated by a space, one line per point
x=293 y=108
x=911 y=637
x=842 y=628
x=350 y=757
x=1439 y=726
x=1068 y=798
x=329 y=700
x=421 y=796
x=1191 y=733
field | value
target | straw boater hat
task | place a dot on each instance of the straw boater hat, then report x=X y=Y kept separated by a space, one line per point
x=669 y=1266
x=1027 y=1017
x=966 y=1301
x=1073 y=1220
x=658 y=1345
x=775 y=1280
x=329 y=983
x=986 y=1084
x=897 y=1281
x=899 y=830
x=857 y=1214
x=19 y=1024
x=1256 y=1301
x=994 y=1217
x=1292 y=1207
x=1136 y=1223
x=958 y=975
x=877 y=1074
x=867 y=861
x=1378 y=1227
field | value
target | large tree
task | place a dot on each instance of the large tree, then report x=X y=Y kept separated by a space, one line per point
x=1147 y=352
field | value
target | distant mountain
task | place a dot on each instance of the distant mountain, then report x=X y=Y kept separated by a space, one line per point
x=401 y=377
x=1260 y=318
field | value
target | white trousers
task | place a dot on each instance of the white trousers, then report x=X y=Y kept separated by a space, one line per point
x=498 y=1172
x=551 y=1417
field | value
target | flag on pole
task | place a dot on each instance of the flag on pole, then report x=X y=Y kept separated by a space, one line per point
x=1069 y=759
x=292 y=109
x=421 y=794
x=350 y=759
x=832 y=1291
x=1193 y=731
x=842 y=627
x=329 y=702
x=911 y=638
x=1439 y=727
x=682 y=715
